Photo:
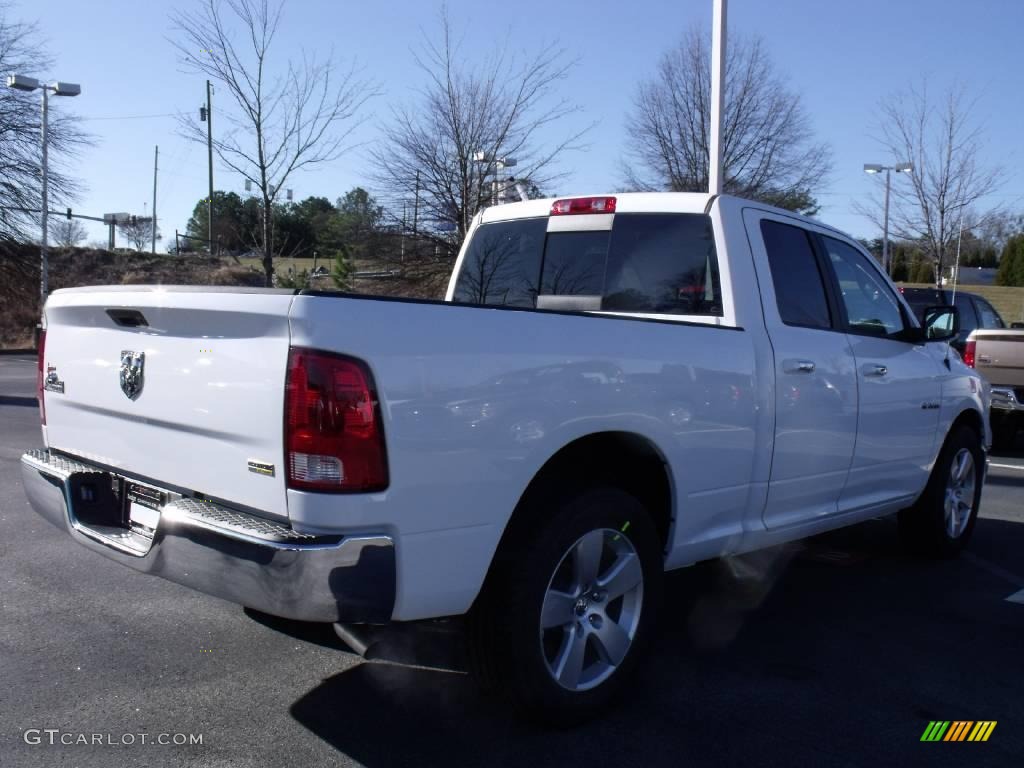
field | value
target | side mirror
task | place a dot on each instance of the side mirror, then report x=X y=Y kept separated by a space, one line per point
x=941 y=323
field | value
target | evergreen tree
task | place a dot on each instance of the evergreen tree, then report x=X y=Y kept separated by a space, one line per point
x=343 y=268
x=1011 y=264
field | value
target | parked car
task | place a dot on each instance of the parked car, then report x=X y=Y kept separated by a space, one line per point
x=615 y=386
x=998 y=355
x=975 y=311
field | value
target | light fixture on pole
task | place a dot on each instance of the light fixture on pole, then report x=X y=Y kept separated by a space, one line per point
x=876 y=168
x=488 y=162
x=22 y=83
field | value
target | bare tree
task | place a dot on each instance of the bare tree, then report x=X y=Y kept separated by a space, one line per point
x=768 y=148
x=469 y=115
x=949 y=179
x=22 y=52
x=67 y=233
x=138 y=231
x=998 y=226
x=277 y=124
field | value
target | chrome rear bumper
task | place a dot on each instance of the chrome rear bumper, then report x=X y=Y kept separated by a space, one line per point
x=259 y=563
x=1005 y=399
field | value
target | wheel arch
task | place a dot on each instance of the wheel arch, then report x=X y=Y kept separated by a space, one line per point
x=625 y=460
x=968 y=417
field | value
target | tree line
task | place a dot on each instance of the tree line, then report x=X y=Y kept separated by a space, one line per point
x=480 y=131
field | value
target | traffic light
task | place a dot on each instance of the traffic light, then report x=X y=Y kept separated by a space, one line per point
x=69 y=214
x=202 y=114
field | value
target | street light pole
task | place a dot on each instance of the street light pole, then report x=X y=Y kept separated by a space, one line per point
x=876 y=168
x=23 y=83
x=44 y=268
x=209 y=157
x=716 y=160
x=885 y=226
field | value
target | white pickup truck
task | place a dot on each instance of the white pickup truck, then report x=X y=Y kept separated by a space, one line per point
x=613 y=387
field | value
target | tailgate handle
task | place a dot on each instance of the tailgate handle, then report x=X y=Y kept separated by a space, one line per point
x=128 y=318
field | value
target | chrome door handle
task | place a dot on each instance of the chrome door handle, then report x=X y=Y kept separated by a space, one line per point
x=875 y=370
x=798 y=366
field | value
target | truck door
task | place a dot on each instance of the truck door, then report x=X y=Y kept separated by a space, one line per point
x=899 y=384
x=815 y=375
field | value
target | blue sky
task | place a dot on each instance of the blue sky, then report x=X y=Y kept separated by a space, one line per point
x=840 y=56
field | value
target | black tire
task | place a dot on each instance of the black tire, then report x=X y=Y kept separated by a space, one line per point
x=1004 y=433
x=924 y=527
x=505 y=640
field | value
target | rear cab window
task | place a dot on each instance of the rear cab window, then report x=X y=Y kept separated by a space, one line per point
x=502 y=264
x=648 y=263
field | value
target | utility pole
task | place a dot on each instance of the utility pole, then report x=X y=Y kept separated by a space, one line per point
x=156 y=158
x=209 y=150
x=716 y=162
x=416 y=205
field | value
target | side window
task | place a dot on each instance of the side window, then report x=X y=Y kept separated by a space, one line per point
x=989 y=317
x=502 y=264
x=871 y=307
x=799 y=286
x=662 y=263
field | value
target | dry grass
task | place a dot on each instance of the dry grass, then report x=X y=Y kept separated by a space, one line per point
x=19 y=279
x=19 y=291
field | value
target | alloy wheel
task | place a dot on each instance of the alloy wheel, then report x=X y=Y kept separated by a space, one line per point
x=959 y=498
x=591 y=609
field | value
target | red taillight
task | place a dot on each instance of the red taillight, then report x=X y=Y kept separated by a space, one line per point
x=583 y=205
x=333 y=436
x=969 y=353
x=41 y=376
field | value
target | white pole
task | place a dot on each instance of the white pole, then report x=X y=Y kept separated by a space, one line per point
x=885 y=229
x=956 y=269
x=716 y=169
x=44 y=266
x=156 y=158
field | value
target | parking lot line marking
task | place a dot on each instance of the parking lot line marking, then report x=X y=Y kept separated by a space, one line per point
x=1016 y=597
x=1007 y=466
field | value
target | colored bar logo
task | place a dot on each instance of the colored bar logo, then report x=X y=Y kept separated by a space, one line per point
x=958 y=730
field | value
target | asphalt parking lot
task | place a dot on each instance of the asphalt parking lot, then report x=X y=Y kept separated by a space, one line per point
x=839 y=655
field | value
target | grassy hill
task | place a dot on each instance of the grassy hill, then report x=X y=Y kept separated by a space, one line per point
x=19 y=279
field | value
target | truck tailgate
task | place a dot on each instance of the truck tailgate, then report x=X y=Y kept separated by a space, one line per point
x=1000 y=357
x=209 y=400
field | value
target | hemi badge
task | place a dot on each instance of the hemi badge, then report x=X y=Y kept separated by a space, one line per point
x=261 y=467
